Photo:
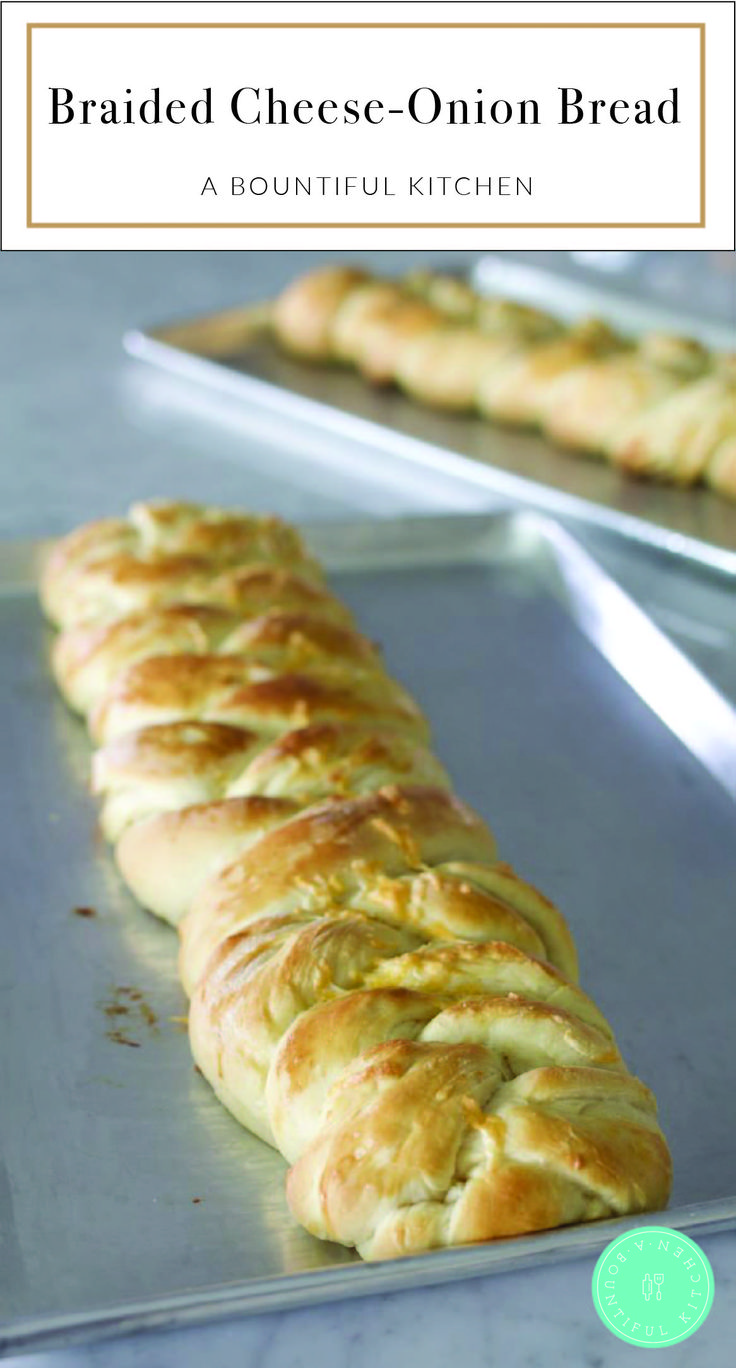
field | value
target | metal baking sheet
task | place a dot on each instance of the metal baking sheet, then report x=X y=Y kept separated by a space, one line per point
x=690 y=293
x=129 y=1198
x=225 y=351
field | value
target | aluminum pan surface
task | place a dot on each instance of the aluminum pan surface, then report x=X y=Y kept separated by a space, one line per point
x=517 y=467
x=107 y=1145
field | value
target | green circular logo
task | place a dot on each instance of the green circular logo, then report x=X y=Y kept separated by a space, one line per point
x=652 y=1287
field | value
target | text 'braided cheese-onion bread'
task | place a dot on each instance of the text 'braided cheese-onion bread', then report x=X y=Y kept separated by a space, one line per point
x=372 y=990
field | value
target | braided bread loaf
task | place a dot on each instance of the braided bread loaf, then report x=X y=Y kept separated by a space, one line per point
x=163 y=552
x=372 y=990
x=663 y=407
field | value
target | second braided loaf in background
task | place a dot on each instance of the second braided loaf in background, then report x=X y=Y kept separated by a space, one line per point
x=662 y=406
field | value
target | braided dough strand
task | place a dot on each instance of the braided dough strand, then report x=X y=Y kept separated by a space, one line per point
x=163 y=552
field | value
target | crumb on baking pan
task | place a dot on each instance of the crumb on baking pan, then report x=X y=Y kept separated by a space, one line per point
x=128 y=1002
x=119 y=1038
x=84 y=911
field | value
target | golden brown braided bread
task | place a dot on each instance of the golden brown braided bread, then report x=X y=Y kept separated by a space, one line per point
x=451 y=295
x=663 y=407
x=373 y=326
x=176 y=765
x=86 y=659
x=586 y=406
x=485 y=1152
x=234 y=690
x=403 y=1034
x=417 y=858
x=445 y=366
x=458 y=302
x=681 y=437
x=720 y=471
x=372 y=990
x=517 y=392
x=163 y=552
x=303 y=315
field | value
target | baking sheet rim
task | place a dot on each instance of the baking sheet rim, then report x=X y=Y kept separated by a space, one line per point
x=289 y=1291
x=144 y=345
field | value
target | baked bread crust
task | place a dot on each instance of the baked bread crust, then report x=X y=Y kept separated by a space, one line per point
x=86 y=659
x=413 y=857
x=234 y=690
x=518 y=391
x=480 y=1159
x=372 y=989
x=304 y=313
x=680 y=438
x=165 y=551
x=178 y=764
x=587 y=406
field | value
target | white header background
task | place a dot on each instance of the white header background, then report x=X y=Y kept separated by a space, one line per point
x=139 y=173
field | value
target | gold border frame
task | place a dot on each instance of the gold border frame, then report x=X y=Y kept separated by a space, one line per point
x=30 y=223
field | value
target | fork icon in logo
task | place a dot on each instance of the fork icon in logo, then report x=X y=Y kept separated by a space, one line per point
x=659 y=1279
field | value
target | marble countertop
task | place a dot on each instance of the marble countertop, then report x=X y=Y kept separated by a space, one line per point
x=540 y=1318
x=83 y=430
